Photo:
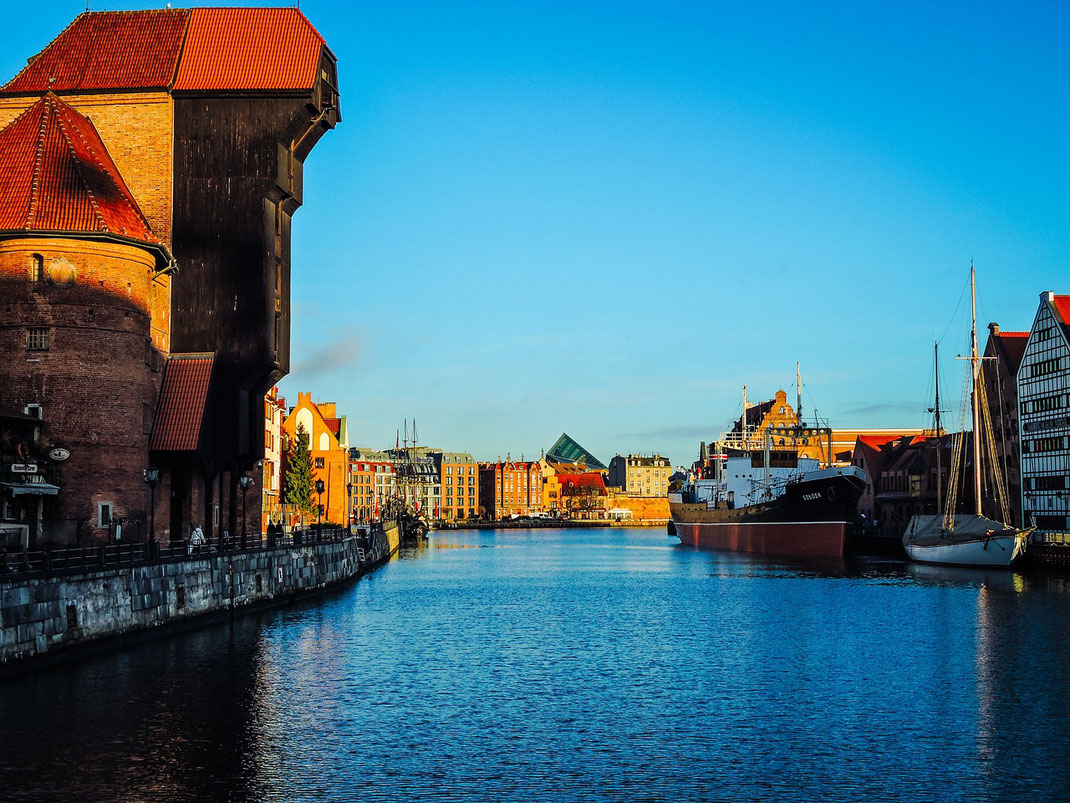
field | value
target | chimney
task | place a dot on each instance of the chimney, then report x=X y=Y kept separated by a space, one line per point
x=993 y=328
x=1048 y=296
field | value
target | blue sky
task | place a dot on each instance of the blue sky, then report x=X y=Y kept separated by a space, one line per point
x=604 y=219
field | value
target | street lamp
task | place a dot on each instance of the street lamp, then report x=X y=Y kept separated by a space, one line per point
x=349 y=503
x=244 y=481
x=152 y=476
x=319 y=507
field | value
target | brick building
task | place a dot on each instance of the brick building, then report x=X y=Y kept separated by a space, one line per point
x=999 y=372
x=200 y=123
x=510 y=488
x=83 y=310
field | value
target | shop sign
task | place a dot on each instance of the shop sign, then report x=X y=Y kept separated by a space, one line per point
x=59 y=454
x=24 y=468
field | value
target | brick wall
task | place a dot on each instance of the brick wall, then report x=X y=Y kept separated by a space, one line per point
x=97 y=381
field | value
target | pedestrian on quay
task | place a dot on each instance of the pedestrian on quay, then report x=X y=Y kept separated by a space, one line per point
x=196 y=539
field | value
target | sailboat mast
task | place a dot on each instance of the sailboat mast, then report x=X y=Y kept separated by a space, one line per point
x=743 y=417
x=974 y=363
x=939 y=437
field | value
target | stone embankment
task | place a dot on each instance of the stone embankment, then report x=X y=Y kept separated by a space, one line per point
x=51 y=615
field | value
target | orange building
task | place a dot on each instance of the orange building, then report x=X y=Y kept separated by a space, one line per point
x=460 y=485
x=327 y=439
x=579 y=495
x=510 y=488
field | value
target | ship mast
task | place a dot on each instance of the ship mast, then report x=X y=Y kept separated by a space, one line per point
x=743 y=417
x=798 y=395
x=939 y=440
x=974 y=362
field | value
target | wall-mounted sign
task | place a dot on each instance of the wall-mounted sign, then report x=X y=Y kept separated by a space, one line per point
x=24 y=468
x=59 y=454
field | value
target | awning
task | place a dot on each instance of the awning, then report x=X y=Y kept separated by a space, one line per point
x=31 y=488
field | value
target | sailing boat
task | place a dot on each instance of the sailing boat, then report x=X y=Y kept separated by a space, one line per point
x=967 y=539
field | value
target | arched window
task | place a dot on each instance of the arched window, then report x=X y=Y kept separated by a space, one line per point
x=325 y=441
x=37 y=268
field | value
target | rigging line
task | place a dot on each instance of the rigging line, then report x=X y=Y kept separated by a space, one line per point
x=956 y=312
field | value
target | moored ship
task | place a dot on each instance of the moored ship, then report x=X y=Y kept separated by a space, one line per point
x=764 y=491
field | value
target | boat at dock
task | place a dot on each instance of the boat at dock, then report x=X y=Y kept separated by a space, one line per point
x=765 y=491
x=968 y=539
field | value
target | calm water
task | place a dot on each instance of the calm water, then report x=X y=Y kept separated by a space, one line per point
x=572 y=666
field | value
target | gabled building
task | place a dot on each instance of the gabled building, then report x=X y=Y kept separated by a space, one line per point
x=324 y=428
x=271 y=476
x=1044 y=422
x=510 y=488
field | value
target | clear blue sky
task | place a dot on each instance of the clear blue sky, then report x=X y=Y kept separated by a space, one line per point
x=605 y=218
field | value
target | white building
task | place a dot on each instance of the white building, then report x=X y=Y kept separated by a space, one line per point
x=1044 y=421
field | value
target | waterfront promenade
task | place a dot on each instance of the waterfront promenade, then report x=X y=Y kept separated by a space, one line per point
x=580 y=665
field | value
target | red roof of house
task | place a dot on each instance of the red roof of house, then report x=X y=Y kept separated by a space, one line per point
x=590 y=479
x=1014 y=347
x=249 y=48
x=56 y=176
x=186 y=50
x=1062 y=306
x=180 y=411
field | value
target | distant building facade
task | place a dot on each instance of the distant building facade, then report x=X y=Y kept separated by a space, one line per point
x=271 y=475
x=640 y=475
x=459 y=478
x=510 y=488
x=1044 y=421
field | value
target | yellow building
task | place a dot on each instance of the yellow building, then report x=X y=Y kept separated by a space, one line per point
x=640 y=475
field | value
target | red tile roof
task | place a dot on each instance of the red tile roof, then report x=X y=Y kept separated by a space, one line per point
x=108 y=49
x=203 y=49
x=56 y=176
x=249 y=48
x=590 y=479
x=1013 y=347
x=180 y=411
x=1062 y=306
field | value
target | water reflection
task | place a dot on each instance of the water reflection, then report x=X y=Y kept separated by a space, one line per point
x=589 y=665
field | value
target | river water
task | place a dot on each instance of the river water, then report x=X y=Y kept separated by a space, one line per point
x=575 y=665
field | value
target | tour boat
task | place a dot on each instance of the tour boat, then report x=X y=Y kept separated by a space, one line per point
x=967 y=539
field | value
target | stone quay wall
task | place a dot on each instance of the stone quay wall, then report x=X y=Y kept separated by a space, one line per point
x=51 y=615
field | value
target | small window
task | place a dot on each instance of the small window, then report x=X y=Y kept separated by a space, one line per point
x=37 y=338
x=37 y=268
x=319 y=462
x=104 y=514
x=35 y=410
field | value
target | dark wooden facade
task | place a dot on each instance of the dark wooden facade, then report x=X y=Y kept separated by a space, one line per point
x=238 y=166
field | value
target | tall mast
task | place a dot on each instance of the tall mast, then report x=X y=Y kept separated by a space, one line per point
x=798 y=394
x=743 y=416
x=939 y=440
x=974 y=363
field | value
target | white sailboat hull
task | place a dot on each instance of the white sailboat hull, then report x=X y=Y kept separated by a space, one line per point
x=1002 y=550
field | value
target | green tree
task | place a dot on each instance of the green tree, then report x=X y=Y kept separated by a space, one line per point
x=298 y=483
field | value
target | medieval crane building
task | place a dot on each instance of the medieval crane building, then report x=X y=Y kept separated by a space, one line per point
x=150 y=165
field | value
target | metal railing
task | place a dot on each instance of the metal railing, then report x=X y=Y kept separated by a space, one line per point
x=72 y=560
